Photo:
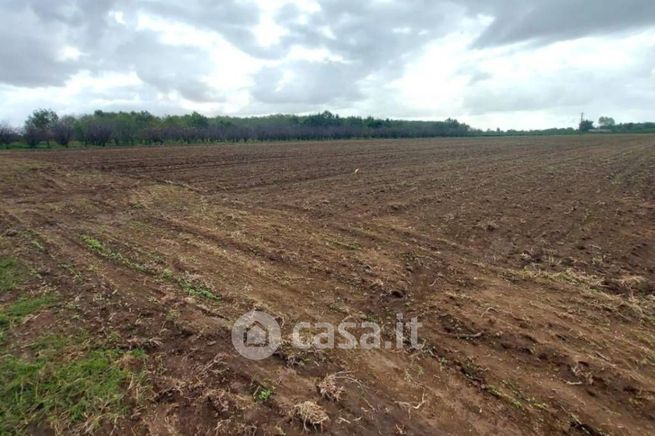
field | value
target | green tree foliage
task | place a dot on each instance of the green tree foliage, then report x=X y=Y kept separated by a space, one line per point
x=606 y=122
x=42 y=118
x=648 y=127
x=586 y=125
x=128 y=128
x=197 y=120
x=38 y=126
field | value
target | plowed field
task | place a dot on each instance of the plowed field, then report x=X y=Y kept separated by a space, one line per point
x=529 y=261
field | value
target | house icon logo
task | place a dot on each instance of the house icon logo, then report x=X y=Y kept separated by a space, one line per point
x=256 y=335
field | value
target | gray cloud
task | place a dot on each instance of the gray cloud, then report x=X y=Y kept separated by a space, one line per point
x=543 y=21
x=32 y=52
x=312 y=82
x=28 y=57
x=30 y=60
x=370 y=38
x=231 y=19
x=36 y=32
x=363 y=39
x=167 y=68
x=573 y=88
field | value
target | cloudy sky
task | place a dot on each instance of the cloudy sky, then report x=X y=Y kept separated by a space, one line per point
x=490 y=63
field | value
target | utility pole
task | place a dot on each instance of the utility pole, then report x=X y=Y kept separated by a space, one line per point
x=580 y=125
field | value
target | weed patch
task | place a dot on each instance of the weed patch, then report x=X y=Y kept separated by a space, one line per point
x=98 y=247
x=67 y=385
x=14 y=313
x=262 y=393
x=85 y=391
x=197 y=289
x=94 y=244
x=12 y=273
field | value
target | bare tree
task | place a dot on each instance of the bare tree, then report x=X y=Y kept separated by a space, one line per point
x=98 y=132
x=33 y=135
x=62 y=130
x=7 y=134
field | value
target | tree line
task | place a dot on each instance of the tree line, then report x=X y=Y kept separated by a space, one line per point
x=45 y=126
x=608 y=124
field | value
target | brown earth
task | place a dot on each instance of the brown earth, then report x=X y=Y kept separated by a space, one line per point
x=529 y=261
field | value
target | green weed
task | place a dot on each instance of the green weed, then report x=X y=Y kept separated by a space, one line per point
x=167 y=274
x=82 y=392
x=496 y=392
x=74 y=272
x=12 y=273
x=39 y=246
x=262 y=394
x=15 y=312
x=116 y=256
x=93 y=244
x=198 y=290
x=51 y=344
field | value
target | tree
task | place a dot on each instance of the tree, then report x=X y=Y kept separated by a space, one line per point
x=586 y=125
x=606 y=122
x=96 y=130
x=62 y=130
x=42 y=118
x=32 y=136
x=124 y=129
x=7 y=134
x=198 y=120
x=38 y=126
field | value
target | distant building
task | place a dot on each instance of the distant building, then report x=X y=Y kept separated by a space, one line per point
x=600 y=130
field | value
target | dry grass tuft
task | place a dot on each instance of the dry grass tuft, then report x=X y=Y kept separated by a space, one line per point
x=310 y=413
x=329 y=389
x=635 y=283
x=299 y=357
x=587 y=281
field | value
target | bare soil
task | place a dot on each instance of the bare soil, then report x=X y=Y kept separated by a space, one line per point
x=530 y=262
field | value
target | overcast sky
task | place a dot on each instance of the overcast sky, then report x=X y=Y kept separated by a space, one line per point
x=490 y=63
